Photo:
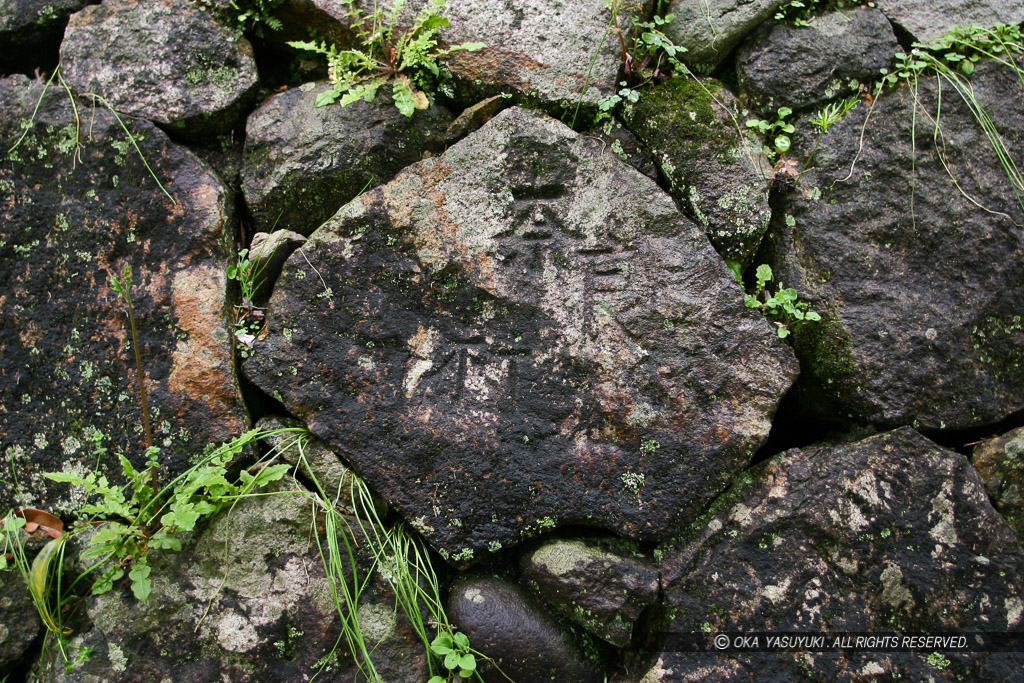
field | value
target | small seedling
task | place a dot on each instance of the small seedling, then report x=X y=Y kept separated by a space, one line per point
x=459 y=660
x=776 y=132
x=782 y=308
x=411 y=60
x=825 y=118
x=249 y=319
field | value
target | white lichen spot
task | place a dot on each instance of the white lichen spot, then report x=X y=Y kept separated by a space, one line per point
x=376 y=621
x=893 y=590
x=1014 y=609
x=642 y=415
x=115 y=655
x=70 y=445
x=475 y=596
x=235 y=633
x=563 y=556
x=658 y=673
x=39 y=441
x=943 y=529
x=776 y=593
x=741 y=515
x=715 y=525
x=930 y=334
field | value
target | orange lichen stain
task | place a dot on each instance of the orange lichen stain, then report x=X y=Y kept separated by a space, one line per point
x=201 y=364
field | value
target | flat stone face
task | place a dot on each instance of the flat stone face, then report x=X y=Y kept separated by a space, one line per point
x=803 y=67
x=67 y=223
x=914 y=260
x=710 y=29
x=927 y=20
x=889 y=534
x=303 y=162
x=519 y=334
x=545 y=50
x=162 y=60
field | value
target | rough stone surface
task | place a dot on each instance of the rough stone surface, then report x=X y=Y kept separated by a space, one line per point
x=926 y=20
x=303 y=162
x=20 y=624
x=520 y=334
x=919 y=288
x=1000 y=462
x=67 y=374
x=890 y=534
x=804 y=67
x=271 y=616
x=162 y=60
x=30 y=31
x=710 y=29
x=713 y=167
x=268 y=252
x=502 y=621
x=540 y=50
x=600 y=585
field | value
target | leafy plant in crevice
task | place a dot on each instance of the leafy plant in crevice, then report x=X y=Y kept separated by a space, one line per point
x=776 y=132
x=648 y=55
x=250 y=321
x=951 y=58
x=783 y=308
x=245 y=16
x=411 y=60
x=825 y=118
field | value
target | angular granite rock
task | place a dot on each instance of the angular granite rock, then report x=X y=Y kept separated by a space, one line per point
x=554 y=53
x=926 y=20
x=270 y=614
x=1000 y=462
x=162 y=60
x=890 y=534
x=520 y=334
x=31 y=30
x=268 y=252
x=804 y=67
x=600 y=584
x=68 y=220
x=713 y=166
x=303 y=162
x=914 y=260
x=503 y=622
x=710 y=29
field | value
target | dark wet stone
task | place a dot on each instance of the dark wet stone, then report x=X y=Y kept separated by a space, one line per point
x=914 y=260
x=520 y=334
x=710 y=29
x=804 y=67
x=1000 y=462
x=67 y=222
x=713 y=167
x=303 y=162
x=20 y=624
x=602 y=586
x=926 y=20
x=270 y=613
x=161 y=60
x=626 y=146
x=31 y=30
x=503 y=622
x=892 y=534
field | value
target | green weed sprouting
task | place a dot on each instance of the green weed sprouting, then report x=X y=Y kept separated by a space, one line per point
x=800 y=13
x=825 y=118
x=951 y=58
x=249 y=318
x=776 y=132
x=411 y=60
x=783 y=308
x=648 y=55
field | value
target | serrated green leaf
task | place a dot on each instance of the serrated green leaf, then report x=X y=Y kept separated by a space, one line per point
x=403 y=97
x=141 y=584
